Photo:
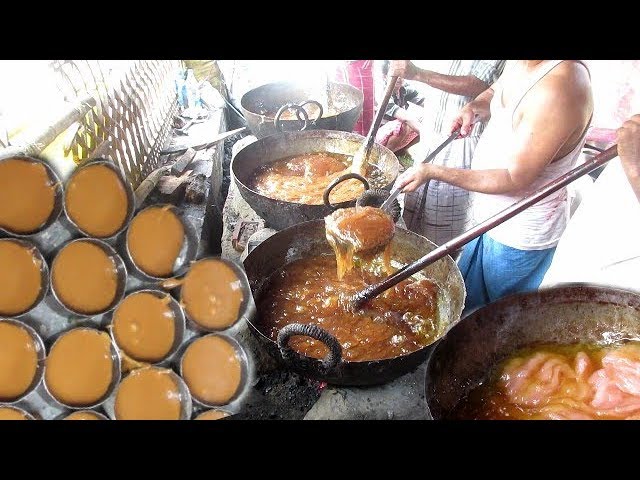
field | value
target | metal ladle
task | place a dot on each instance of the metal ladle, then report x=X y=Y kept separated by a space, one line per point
x=454 y=244
x=361 y=158
x=381 y=242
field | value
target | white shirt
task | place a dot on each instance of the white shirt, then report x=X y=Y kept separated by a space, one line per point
x=601 y=243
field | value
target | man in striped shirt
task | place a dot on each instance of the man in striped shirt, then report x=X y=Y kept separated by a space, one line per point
x=444 y=212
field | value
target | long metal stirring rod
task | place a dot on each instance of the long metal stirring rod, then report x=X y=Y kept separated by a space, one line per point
x=361 y=158
x=454 y=244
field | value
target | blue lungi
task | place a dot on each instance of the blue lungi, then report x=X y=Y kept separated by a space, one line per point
x=492 y=270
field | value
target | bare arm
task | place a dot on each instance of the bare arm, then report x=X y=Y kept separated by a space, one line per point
x=629 y=151
x=549 y=119
x=466 y=85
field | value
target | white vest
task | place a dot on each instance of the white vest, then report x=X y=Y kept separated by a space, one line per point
x=541 y=225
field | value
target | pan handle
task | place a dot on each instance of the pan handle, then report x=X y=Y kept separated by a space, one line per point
x=333 y=358
x=320 y=109
x=301 y=113
x=338 y=181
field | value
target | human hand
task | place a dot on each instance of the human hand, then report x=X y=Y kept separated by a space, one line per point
x=464 y=121
x=629 y=145
x=402 y=69
x=412 y=178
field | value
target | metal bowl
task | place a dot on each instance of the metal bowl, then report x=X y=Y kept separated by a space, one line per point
x=309 y=239
x=116 y=374
x=57 y=201
x=564 y=314
x=101 y=416
x=44 y=274
x=260 y=106
x=281 y=214
x=246 y=296
x=185 y=257
x=201 y=412
x=121 y=272
x=244 y=375
x=29 y=416
x=131 y=201
x=178 y=323
x=186 y=407
x=41 y=354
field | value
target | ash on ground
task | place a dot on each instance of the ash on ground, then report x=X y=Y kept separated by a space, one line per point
x=280 y=395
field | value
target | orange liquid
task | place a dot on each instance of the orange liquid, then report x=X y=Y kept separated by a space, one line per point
x=397 y=322
x=143 y=326
x=559 y=382
x=20 y=278
x=148 y=394
x=155 y=238
x=212 y=415
x=212 y=370
x=85 y=278
x=27 y=196
x=18 y=361
x=8 y=413
x=212 y=294
x=96 y=200
x=83 y=416
x=304 y=178
x=79 y=368
x=366 y=230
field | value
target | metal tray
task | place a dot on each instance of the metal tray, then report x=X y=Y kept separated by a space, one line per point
x=49 y=321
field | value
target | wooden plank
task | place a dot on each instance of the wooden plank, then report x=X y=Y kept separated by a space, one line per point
x=167 y=185
x=183 y=161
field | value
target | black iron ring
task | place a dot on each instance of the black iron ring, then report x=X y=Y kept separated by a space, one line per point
x=375 y=198
x=338 y=181
x=277 y=122
x=329 y=362
x=320 y=109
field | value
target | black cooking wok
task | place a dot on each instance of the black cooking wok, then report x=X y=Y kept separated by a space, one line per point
x=279 y=214
x=576 y=313
x=340 y=107
x=308 y=239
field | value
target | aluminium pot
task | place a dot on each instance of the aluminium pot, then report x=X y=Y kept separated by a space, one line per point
x=340 y=106
x=565 y=314
x=308 y=239
x=280 y=214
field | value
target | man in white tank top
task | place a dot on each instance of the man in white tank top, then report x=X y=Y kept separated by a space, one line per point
x=539 y=112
